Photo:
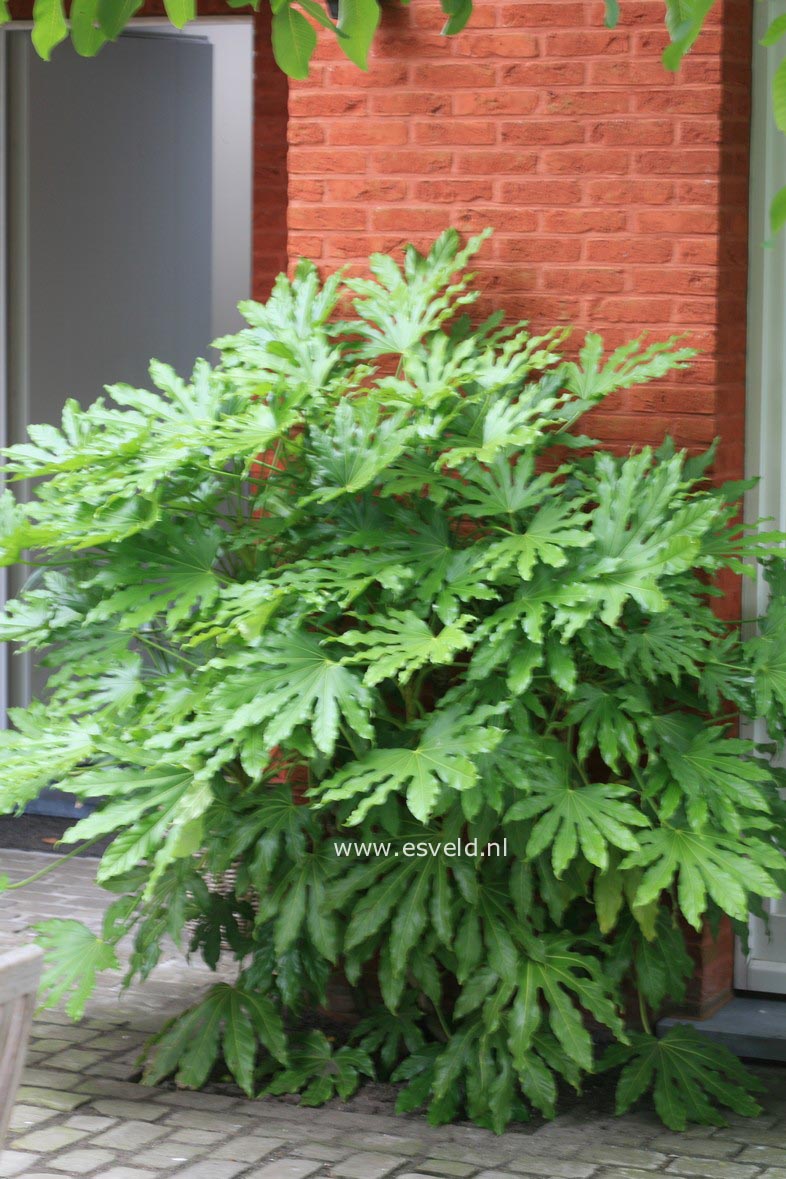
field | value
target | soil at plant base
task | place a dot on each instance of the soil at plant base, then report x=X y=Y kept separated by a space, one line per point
x=596 y=1100
x=373 y=1097
x=41 y=833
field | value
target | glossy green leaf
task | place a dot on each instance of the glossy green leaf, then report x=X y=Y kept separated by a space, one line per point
x=358 y=21
x=779 y=96
x=685 y=20
x=775 y=31
x=49 y=26
x=458 y=13
x=317 y=12
x=114 y=15
x=86 y=32
x=180 y=12
x=612 y=13
x=229 y=1023
x=74 y=955
x=689 y=1073
x=294 y=41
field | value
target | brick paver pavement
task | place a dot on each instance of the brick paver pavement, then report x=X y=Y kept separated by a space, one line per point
x=79 y=1113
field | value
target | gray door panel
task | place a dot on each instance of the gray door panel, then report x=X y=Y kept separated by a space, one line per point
x=109 y=225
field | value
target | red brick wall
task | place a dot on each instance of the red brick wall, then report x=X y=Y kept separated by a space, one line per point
x=617 y=191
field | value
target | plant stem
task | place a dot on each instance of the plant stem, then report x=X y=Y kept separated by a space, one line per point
x=51 y=867
x=168 y=651
x=347 y=735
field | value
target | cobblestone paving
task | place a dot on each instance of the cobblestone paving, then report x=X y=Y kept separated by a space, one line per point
x=79 y=1114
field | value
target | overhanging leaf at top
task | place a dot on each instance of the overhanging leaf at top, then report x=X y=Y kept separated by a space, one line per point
x=684 y=20
x=357 y=21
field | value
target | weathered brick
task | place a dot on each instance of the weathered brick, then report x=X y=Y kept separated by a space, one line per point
x=130 y=1135
x=462 y=132
x=453 y=191
x=80 y=1162
x=16 y=1162
x=366 y=131
x=634 y=131
x=289 y=1168
x=542 y=131
x=213 y=1168
x=717 y=1168
x=367 y=1165
x=495 y=163
x=507 y=43
x=247 y=1148
x=52 y=1138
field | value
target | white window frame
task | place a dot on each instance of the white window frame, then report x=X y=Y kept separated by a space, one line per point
x=765 y=414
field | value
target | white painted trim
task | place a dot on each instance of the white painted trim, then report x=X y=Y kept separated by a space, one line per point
x=765 y=424
x=3 y=350
x=761 y=975
x=15 y=233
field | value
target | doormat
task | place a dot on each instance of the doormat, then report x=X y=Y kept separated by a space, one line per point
x=41 y=833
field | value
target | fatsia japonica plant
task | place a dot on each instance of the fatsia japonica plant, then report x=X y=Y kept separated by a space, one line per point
x=372 y=665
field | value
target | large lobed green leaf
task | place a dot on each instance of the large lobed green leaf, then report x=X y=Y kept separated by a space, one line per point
x=689 y=1075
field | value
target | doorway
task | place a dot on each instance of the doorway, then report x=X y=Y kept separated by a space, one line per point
x=126 y=232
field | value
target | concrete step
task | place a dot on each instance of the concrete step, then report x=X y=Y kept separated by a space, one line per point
x=747 y=1026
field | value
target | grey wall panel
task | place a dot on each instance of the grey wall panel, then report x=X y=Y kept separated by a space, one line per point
x=109 y=227
x=118 y=233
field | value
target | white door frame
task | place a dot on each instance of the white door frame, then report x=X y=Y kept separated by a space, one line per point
x=3 y=353
x=765 y=418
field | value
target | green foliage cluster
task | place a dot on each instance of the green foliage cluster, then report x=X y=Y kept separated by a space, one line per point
x=294 y=23
x=365 y=579
x=91 y=24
